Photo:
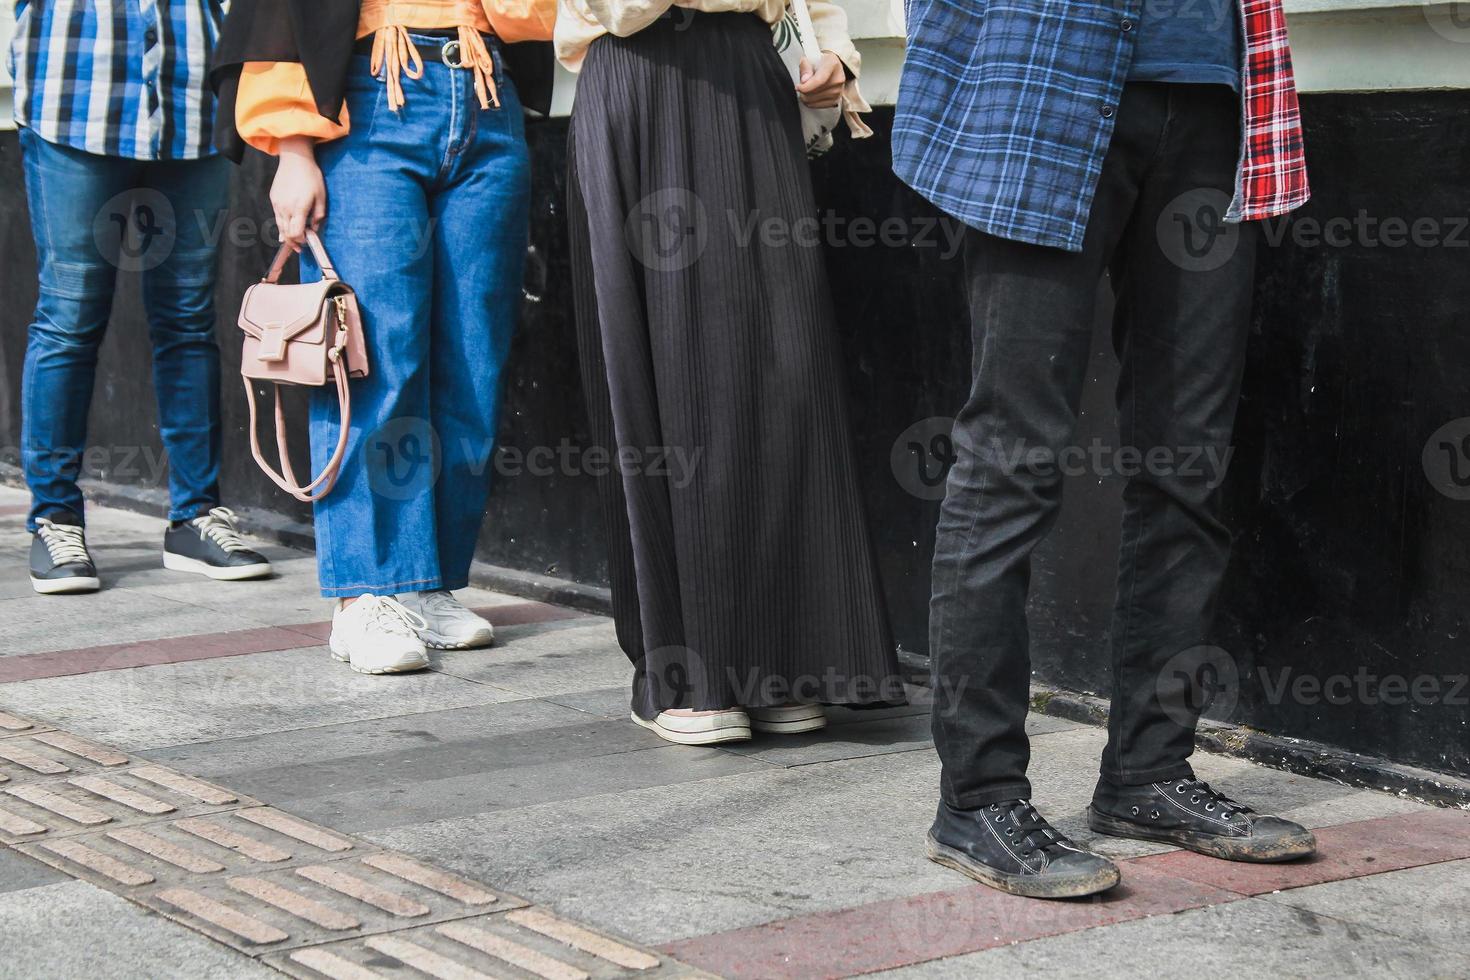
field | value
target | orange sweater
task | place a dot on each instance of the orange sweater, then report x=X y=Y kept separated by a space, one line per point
x=275 y=101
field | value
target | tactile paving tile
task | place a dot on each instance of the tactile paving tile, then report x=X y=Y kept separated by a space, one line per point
x=67 y=804
x=14 y=724
x=529 y=943
x=307 y=900
x=351 y=895
x=193 y=849
x=34 y=755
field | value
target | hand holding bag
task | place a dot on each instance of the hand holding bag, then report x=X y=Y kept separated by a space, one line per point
x=796 y=38
x=301 y=334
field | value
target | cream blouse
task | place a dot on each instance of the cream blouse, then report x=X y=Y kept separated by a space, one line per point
x=580 y=22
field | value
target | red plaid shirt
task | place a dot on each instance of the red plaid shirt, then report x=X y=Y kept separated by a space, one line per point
x=1272 y=178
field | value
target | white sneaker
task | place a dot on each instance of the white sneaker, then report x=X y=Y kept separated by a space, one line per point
x=376 y=635
x=447 y=624
x=788 y=719
x=699 y=727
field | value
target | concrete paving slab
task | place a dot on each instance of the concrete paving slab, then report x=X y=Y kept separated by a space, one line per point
x=852 y=734
x=15 y=577
x=38 y=623
x=558 y=781
x=149 y=707
x=1426 y=905
x=73 y=929
x=416 y=767
x=702 y=855
x=18 y=872
x=1247 y=938
x=249 y=759
x=547 y=659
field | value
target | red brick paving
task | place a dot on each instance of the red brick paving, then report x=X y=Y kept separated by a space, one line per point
x=901 y=932
x=1349 y=850
x=232 y=643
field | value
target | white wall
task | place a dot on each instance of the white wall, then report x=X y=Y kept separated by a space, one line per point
x=1338 y=45
x=7 y=22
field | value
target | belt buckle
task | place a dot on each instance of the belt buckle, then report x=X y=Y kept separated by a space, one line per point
x=451 y=53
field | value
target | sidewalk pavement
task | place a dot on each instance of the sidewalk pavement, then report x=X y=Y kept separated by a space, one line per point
x=516 y=770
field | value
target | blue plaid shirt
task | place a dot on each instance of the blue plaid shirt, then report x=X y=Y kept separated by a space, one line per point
x=1006 y=109
x=123 y=78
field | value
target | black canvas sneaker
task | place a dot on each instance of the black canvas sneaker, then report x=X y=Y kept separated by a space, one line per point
x=60 y=562
x=211 y=545
x=1188 y=813
x=1011 y=847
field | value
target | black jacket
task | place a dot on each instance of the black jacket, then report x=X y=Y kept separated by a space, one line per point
x=319 y=34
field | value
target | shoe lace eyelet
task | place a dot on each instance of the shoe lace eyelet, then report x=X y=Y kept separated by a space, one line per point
x=1135 y=811
x=994 y=806
x=1210 y=807
x=1179 y=789
x=1010 y=831
x=1153 y=814
x=1000 y=819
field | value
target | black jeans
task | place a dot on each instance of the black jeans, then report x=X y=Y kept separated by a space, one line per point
x=1183 y=282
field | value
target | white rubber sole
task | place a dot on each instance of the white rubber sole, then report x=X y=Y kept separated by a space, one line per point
x=75 y=585
x=228 y=573
x=435 y=641
x=792 y=720
x=402 y=667
x=700 y=729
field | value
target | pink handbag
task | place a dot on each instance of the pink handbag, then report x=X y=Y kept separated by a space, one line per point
x=301 y=334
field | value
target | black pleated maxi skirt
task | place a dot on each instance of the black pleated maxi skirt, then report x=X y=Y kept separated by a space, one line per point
x=741 y=565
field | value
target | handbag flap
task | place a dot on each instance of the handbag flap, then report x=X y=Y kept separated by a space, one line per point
x=290 y=309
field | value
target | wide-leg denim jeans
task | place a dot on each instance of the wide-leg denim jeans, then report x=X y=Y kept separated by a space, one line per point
x=426 y=218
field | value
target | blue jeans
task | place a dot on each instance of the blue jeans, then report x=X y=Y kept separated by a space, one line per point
x=91 y=216
x=427 y=210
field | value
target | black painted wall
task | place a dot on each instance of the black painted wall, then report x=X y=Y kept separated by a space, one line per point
x=1352 y=566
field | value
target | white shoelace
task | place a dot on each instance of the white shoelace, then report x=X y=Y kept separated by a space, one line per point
x=64 y=542
x=392 y=616
x=221 y=526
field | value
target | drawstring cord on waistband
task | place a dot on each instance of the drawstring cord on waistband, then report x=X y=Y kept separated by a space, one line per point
x=475 y=56
x=392 y=50
x=394 y=54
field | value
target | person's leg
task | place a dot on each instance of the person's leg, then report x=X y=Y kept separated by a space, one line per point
x=1184 y=282
x=376 y=530
x=1032 y=314
x=1184 y=285
x=178 y=292
x=66 y=190
x=479 y=219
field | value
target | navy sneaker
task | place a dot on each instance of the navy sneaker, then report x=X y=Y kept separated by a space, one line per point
x=211 y=545
x=60 y=562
